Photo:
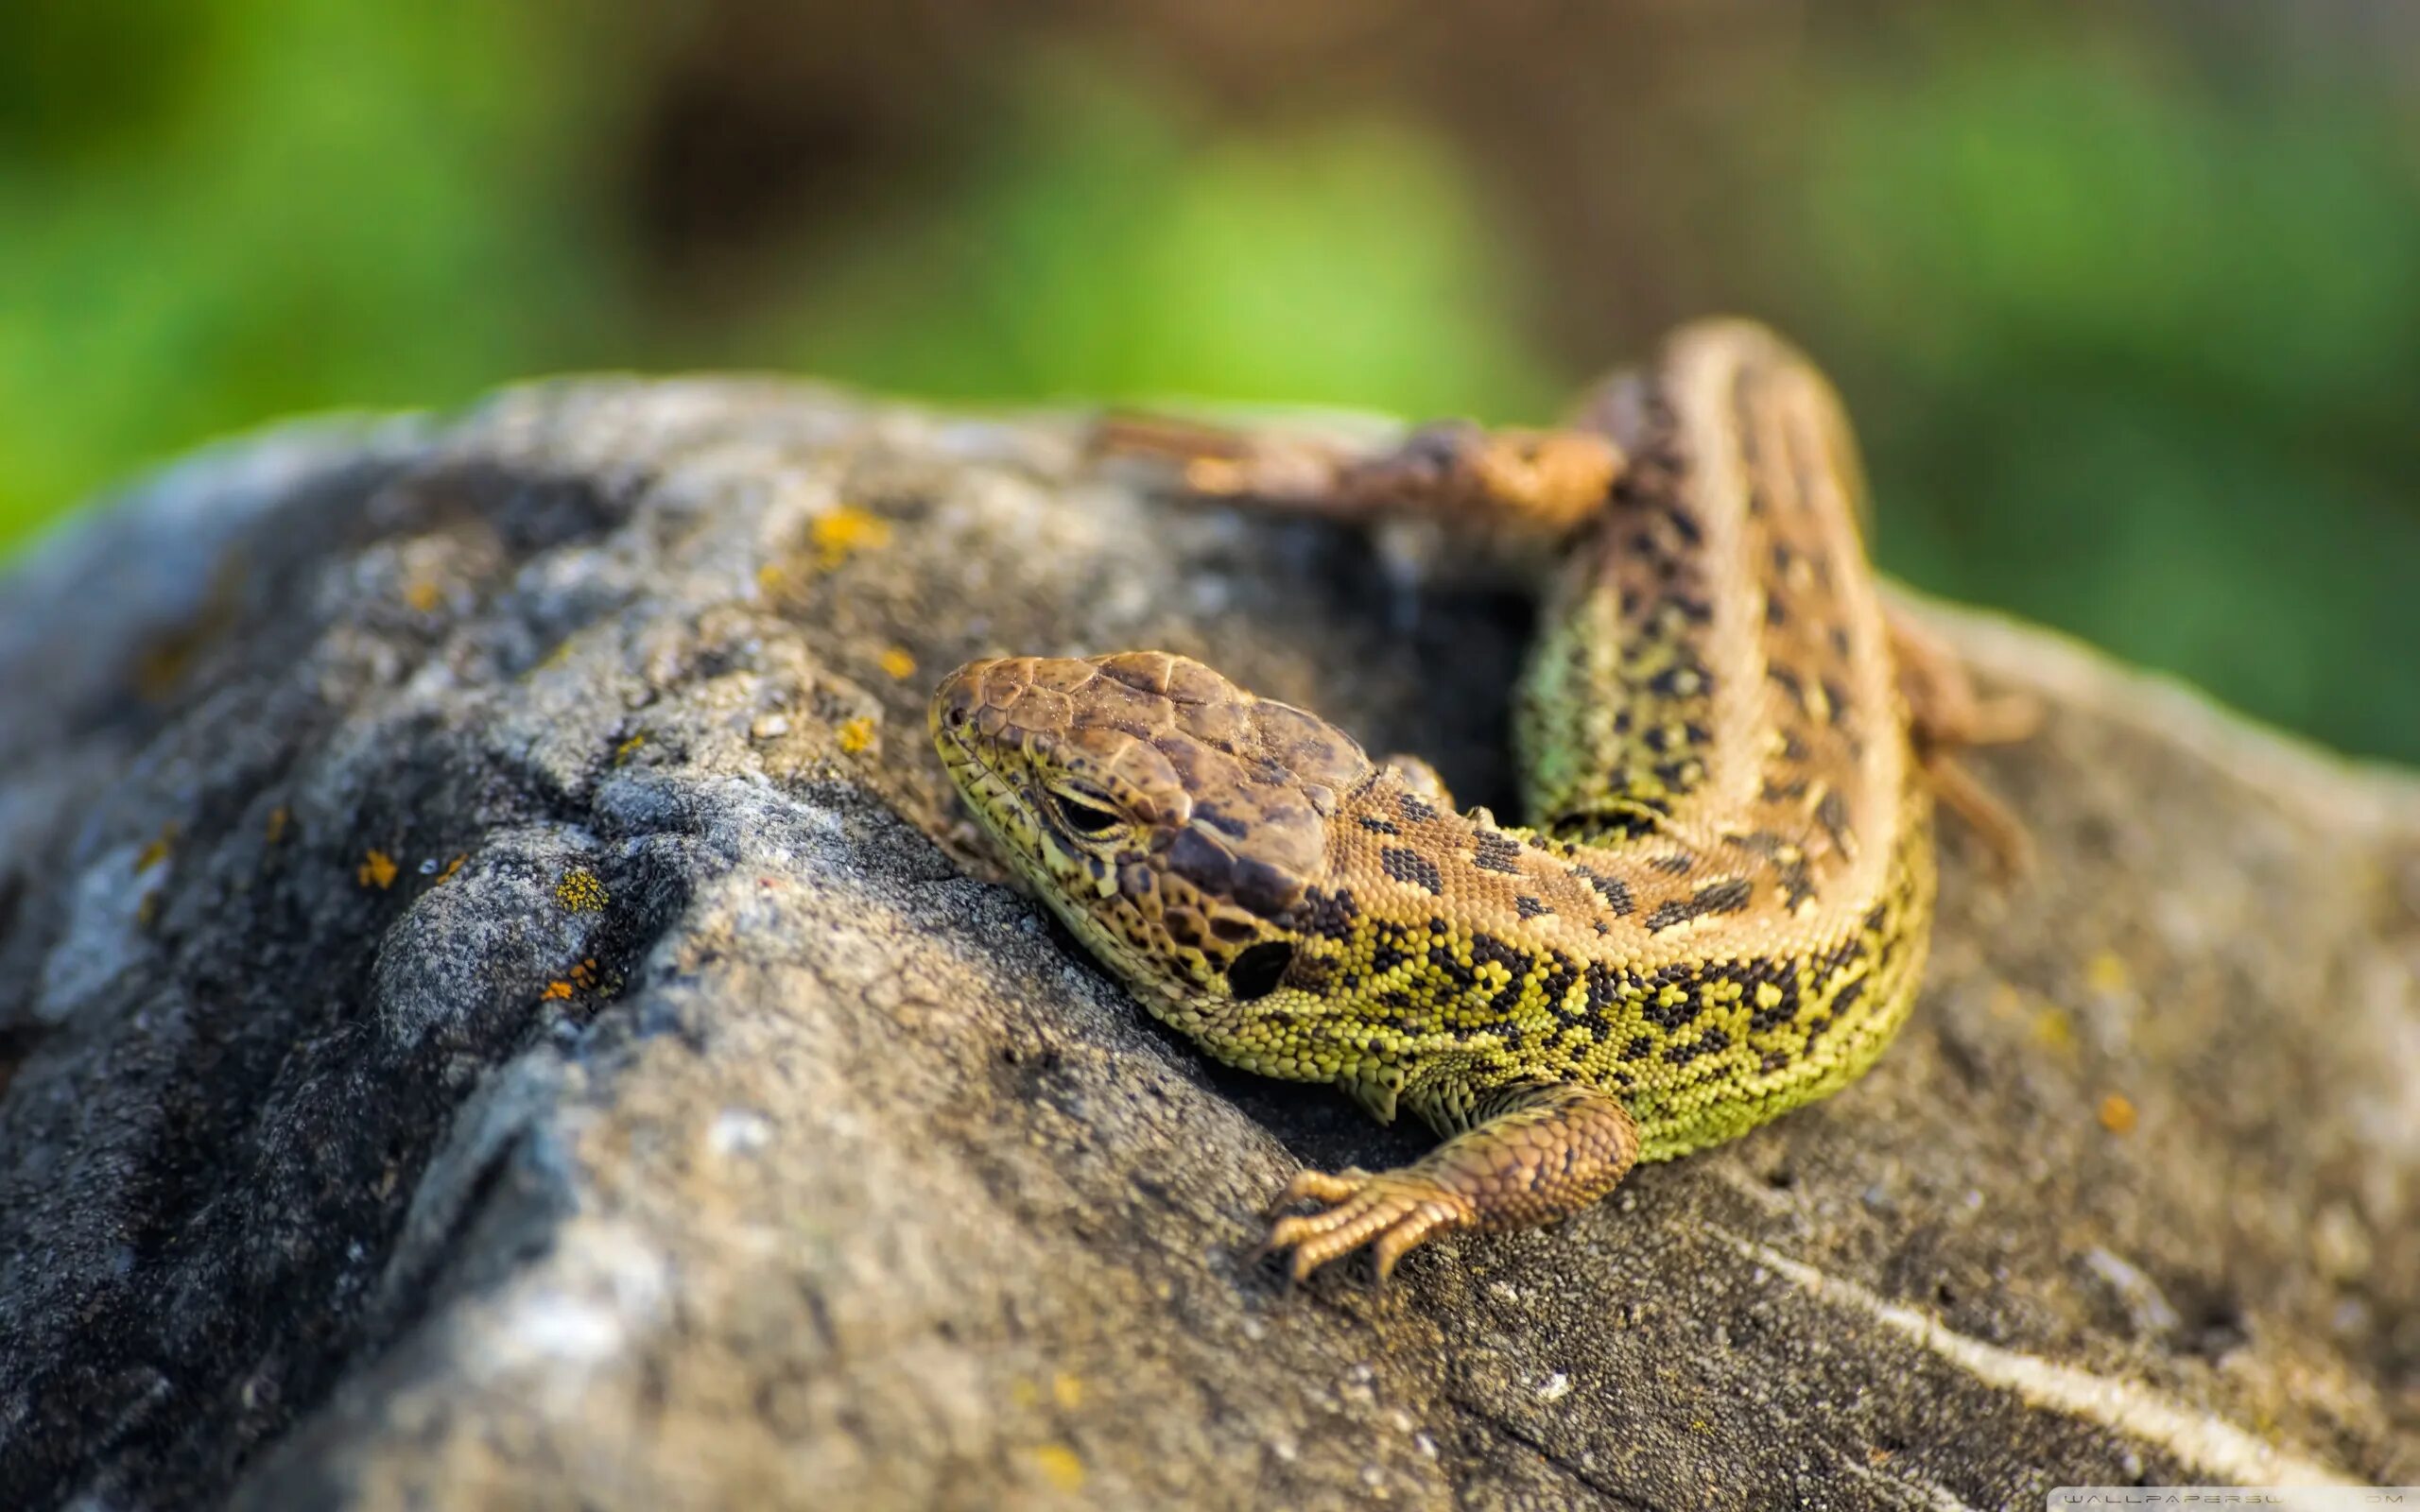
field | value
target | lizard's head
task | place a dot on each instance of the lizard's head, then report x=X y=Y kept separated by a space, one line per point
x=1169 y=816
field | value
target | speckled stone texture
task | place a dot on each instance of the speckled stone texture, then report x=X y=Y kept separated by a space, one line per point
x=498 y=1009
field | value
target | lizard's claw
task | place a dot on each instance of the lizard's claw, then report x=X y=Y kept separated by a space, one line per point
x=1397 y=1209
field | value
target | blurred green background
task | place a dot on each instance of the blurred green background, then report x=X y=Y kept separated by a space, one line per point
x=2125 y=297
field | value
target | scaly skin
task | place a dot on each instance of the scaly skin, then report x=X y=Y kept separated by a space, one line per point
x=1722 y=909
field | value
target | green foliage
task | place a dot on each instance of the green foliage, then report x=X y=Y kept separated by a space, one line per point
x=1108 y=249
x=2128 y=334
x=282 y=206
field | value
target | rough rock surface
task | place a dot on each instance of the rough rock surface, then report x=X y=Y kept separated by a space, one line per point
x=499 y=1010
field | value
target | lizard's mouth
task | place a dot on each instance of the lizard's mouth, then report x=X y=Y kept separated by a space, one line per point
x=1005 y=806
x=993 y=797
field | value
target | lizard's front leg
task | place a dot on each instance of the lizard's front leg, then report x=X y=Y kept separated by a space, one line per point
x=1541 y=1153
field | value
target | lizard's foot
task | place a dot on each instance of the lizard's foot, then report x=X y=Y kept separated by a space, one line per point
x=1398 y=1209
x=1533 y=1155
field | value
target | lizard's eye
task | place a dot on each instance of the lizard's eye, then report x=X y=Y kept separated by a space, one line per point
x=1085 y=816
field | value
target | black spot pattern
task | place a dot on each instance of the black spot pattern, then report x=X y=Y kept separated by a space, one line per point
x=1673 y=1014
x=1327 y=915
x=1711 y=1042
x=1832 y=813
x=1612 y=889
x=1388 y=949
x=1726 y=897
x=1604 y=991
x=1496 y=852
x=1406 y=865
x=1371 y=821
x=1782 y=1011
x=1517 y=963
x=1529 y=907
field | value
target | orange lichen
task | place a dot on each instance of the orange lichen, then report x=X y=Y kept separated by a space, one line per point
x=378 y=870
x=844 y=531
x=556 y=991
x=280 y=818
x=157 y=850
x=580 y=892
x=856 y=734
x=584 y=974
x=2117 y=1114
x=451 y=867
x=422 y=594
x=899 y=662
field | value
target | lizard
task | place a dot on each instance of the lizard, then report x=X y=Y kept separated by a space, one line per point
x=1731 y=749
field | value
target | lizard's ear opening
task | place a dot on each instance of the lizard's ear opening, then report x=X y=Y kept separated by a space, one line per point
x=1256 y=972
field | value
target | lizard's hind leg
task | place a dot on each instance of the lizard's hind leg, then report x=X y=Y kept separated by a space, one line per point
x=1525 y=485
x=1945 y=714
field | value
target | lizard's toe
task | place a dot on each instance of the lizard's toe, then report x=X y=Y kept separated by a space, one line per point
x=1320 y=1186
x=1397 y=1209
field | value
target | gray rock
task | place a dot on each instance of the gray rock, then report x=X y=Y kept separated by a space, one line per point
x=499 y=1010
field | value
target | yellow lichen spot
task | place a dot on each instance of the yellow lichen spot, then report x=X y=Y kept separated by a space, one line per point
x=623 y=751
x=842 y=532
x=280 y=818
x=556 y=991
x=899 y=662
x=2106 y=972
x=146 y=913
x=2054 y=1029
x=771 y=578
x=451 y=867
x=1061 y=1466
x=1024 y=1393
x=2117 y=1114
x=422 y=594
x=1067 y=1391
x=378 y=870
x=856 y=734
x=157 y=850
x=580 y=892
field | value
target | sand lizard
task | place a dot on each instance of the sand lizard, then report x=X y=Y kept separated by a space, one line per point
x=1720 y=908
